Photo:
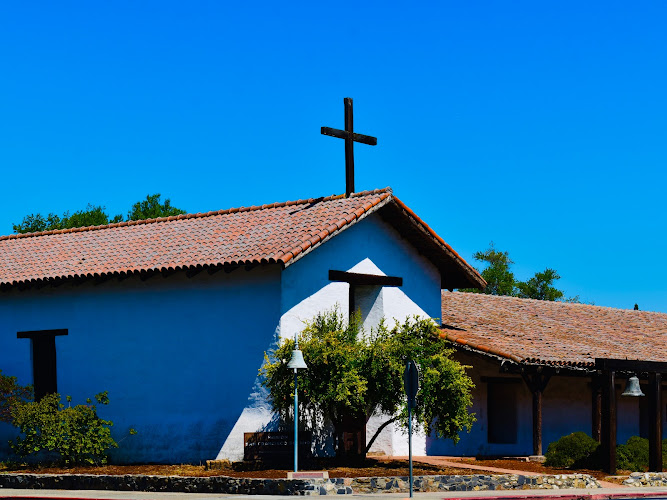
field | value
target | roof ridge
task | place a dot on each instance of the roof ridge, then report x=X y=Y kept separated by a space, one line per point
x=553 y=303
x=197 y=215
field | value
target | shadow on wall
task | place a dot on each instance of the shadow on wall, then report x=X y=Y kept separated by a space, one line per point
x=322 y=434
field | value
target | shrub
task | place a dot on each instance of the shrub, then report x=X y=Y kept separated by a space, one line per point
x=76 y=434
x=633 y=455
x=574 y=450
x=11 y=393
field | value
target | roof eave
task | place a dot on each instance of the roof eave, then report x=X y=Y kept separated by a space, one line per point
x=455 y=272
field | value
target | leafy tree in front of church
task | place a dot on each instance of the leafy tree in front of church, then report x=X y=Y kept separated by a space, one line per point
x=96 y=215
x=352 y=375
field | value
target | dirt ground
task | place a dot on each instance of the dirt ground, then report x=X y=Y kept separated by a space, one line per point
x=369 y=467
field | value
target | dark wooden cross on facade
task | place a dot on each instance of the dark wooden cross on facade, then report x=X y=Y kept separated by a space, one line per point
x=350 y=138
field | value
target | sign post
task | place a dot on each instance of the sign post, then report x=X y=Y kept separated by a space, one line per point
x=411 y=383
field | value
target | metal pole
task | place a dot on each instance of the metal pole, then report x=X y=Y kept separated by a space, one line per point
x=296 y=412
x=410 y=444
x=296 y=424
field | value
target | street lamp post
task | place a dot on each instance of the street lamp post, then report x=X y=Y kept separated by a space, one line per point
x=296 y=363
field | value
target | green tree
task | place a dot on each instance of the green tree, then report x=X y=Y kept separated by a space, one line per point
x=96 y=215
x=501 y=280
x=497 y=274
x=352 y=375
x=540 y=286
x=92 y=215
x=152 y=208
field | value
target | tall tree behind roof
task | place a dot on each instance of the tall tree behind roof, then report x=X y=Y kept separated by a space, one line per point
x=96 y=215
x=152 y=208
x=501 y=281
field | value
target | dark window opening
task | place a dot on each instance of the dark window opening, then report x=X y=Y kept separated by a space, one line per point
x=502 y=412
x=44 y=373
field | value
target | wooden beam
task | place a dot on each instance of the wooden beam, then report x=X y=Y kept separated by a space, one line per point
x=596 y=408
x=536 y=384
x=655 y=422
x=609 y=421
x=39 y=333
x=359 y=279
x=630 y=365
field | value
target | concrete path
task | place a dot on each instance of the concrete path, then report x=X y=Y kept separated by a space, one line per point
x=446 y=462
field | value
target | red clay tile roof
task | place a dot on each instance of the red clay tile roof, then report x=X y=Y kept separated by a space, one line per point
x=279 y=233
x=552 y=333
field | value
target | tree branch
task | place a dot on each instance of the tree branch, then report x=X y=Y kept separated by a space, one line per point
x=377 y=433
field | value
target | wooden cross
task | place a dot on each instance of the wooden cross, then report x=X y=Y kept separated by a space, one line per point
x=350 y=138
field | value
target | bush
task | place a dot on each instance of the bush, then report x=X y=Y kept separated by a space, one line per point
x=574 y=450
x=11 y=393
x=633 y=455
x=76 y=434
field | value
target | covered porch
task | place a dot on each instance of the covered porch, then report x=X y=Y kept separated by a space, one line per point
x=547 y=369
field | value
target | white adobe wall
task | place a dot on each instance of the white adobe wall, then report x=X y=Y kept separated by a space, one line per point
x=369 y=247
x=372 y=247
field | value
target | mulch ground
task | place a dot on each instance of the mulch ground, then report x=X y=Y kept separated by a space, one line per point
x=369 y=467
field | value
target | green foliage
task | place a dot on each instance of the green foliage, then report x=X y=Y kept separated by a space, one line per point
x=93 y=215
x=11 y=393
x=351 y=375
x=75 y=433
x=574 y=450
x=96 y=215
x=579 y=450
x=633 y=455
x=540 y=286
x=152 y=208
x=501 y=281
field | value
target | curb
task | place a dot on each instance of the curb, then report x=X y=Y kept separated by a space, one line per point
x=333 y=486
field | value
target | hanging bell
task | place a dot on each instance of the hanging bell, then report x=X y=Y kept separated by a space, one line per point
x=297 y=361
x=632 y=388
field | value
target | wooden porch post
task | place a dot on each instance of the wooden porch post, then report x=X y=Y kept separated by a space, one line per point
x=536 y=384
x=609 y=420
x=655 y=422
x=596 y=406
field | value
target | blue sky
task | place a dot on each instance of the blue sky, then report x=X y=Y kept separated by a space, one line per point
x=539 y=126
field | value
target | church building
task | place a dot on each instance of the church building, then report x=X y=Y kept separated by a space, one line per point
x=172 y=316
